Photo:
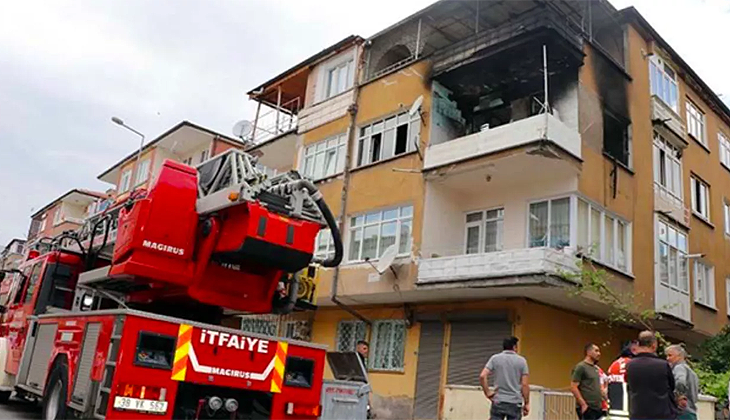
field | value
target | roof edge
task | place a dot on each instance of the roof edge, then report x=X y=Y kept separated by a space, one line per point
x=89 y=193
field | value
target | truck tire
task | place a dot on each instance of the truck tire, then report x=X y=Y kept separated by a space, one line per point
x=54 y=399
x=5 y=396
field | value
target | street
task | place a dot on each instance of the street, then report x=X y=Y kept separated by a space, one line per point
x=20 y=410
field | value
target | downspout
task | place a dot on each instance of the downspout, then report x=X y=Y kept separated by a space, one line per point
x=352 y=110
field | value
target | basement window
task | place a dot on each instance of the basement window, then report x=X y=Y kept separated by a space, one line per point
x=616 y=141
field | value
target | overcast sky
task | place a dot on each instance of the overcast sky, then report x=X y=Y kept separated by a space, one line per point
x=66 y=67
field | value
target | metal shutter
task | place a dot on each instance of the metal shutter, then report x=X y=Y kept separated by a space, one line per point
x=472 y=343
x=428 y=371
x=82 y=385
x=41 y=355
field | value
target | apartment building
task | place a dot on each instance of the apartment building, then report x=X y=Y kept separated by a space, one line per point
x=66 y=212
x=443 y=138
x=12 y=254
x=185 y=142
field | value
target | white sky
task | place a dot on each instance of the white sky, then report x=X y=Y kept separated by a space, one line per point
x=66 y=67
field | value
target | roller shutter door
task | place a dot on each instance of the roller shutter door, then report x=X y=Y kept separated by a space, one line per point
x=472 y=344
x=428 y=372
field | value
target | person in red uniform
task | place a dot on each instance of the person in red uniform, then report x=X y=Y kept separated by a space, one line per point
x=617 y=378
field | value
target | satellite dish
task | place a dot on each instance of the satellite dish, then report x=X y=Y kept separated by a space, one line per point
x=242 y=129
x=416 y=108
x=386 y=260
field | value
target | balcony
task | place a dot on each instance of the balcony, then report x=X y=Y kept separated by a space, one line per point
x=531 y=131
x=500 y=266
x=670 y=206
x=669 y=121
x=323 y=112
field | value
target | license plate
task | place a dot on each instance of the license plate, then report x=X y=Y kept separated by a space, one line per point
x=135 y=404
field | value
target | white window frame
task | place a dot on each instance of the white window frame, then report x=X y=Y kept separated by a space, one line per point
x=125 y=181
x=726 y=214
x=43 y=224
x=704 y=274
x=663 y=82
x=701 y=209
x=667 y=166
x=324 y=238
x=373 y=361
x=727 y=295
x=696 y=123
x=358 y=223
x=601 y=253
x=672 y=240
x=548 y=237
x=57 y=216
x=317 y=153
x=355 y=325
x=143 y=172
x=204 y=155
x=363 y=155
x=334 y=73
x=481 y=225
x=724 y=149
x=188 y=161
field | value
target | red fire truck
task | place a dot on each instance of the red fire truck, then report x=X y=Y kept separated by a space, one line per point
x=121 y=319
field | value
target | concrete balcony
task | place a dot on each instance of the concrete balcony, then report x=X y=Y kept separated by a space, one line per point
x=670 y=206
x=323 y=112
x=501 y=266
x=664 y=116
x=532 y=131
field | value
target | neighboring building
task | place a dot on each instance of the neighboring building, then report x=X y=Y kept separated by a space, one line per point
x=185 y=142
x=67 y=212
x=12 y=254
x=492 y=187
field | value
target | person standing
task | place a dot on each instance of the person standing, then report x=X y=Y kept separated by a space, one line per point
x=586 y=385
x=362 y=349
x=686 y=382
x=511 y=395
x=650 y=383
x=617 y=395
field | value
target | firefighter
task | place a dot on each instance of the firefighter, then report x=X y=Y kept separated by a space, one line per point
x=618 y=399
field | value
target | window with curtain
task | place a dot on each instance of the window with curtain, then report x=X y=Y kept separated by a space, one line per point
x=664 y=82
x=387 y=345
x=704 y=284
x=550 y=223
x=667 y=166
x=372 y=233
x=696 y=123
x=325 y=158
x=602 y=236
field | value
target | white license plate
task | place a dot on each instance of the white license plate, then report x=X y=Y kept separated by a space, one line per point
x=135 y=404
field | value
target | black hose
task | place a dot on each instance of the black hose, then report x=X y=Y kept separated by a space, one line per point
x=303 y=184
x=291 y=299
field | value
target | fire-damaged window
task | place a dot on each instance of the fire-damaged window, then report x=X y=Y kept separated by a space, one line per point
x=616 y=137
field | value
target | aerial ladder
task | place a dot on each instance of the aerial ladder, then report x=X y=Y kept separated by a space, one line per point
x=121 y=318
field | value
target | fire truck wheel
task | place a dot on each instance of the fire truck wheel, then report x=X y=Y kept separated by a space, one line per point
x=54 y=400
x=5 y=396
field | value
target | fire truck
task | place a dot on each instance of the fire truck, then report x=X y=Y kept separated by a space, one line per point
x=121 y=319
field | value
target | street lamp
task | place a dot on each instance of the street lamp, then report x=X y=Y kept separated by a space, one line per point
x=119 y=121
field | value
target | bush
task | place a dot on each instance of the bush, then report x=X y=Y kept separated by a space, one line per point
x=716 y=352
x=712 y=383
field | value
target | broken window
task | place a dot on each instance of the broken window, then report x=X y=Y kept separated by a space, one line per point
x=387 y=138
x=616 y=137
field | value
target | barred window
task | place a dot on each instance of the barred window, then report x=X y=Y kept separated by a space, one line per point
x=387 y=345
x=260 y=325
x=349 y=333
x=297 y=330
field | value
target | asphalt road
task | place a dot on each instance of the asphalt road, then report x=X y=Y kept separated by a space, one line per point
x=20 y=410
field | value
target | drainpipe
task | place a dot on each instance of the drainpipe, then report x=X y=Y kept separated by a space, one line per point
x=352 y=110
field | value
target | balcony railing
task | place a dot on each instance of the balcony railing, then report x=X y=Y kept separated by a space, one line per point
x=509 y=263
x=492 y=140
x=663 y=114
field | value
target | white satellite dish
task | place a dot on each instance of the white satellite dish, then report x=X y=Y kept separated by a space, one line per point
x=242 y=129
x=416 y=107
x=386 y=260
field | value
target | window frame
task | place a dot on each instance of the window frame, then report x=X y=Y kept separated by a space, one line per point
x=681 y=253
x=482 y=226
x=704 y=204
x=125 y=181
x=571 y=217
x=727 y=295
x=658 y=66
x=204 y=155
x=374 y=345
x=58 y=216
x=143 y=164
x=329 y=246
x=709 y=282
x=335 y=70
x=667 y=170
x=726 y=214
x=696 y=117
x=724 y=149
x=602 y=252
x=311 y=151
x=400 y=219
x=366 y=132
x=355 y=338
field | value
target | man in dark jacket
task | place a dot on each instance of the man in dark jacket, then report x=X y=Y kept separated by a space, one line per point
x=650 y=383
